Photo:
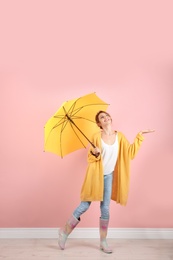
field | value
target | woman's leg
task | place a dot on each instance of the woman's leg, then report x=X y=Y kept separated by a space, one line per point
x=105 y=215
x=72 y=223
x=84 y=206
x=105 y=204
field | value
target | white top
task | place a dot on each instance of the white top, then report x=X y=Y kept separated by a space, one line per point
x=109 y=154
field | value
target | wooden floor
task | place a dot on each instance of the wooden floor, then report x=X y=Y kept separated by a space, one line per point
x=47 y=249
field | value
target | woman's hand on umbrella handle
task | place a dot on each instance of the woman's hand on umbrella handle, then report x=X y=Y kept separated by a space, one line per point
x=147 y=131
x=97 y=154
x=96 y=151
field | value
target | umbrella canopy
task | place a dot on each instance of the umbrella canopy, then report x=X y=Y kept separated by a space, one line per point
x=72 y=126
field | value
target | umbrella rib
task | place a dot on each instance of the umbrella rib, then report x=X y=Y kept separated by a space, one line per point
x=71 y=124
x=70 y=118
x=83 y=118
x=59 y=124
x=75 y=111
x=64 y=124
x=71 y=121
x=72 y=108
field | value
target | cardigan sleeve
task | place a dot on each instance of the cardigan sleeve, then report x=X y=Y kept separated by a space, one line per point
x=132 y=149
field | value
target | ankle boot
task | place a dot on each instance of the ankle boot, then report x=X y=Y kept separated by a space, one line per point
x=65 y=232
x=103 y=234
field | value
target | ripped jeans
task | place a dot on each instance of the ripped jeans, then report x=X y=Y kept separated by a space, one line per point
x=104 y=205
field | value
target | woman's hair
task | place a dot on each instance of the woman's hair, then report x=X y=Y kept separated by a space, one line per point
x=97 y=116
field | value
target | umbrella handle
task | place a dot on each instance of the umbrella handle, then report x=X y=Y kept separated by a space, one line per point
x=96 y=154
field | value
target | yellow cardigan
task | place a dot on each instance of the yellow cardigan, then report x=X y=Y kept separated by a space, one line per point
x=92 y=188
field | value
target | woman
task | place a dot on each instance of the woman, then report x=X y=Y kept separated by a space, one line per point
x=107 y=176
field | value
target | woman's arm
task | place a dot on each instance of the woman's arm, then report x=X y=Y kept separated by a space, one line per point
x=134 y=147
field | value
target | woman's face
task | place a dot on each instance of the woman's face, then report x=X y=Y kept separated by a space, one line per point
x=104 y=119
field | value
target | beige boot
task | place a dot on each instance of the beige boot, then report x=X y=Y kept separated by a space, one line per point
x=103 y=234
x=65 y=232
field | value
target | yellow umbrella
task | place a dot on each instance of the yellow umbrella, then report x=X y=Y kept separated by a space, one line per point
x=72 y=126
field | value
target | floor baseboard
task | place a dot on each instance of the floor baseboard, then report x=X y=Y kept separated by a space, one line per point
x=117 y=233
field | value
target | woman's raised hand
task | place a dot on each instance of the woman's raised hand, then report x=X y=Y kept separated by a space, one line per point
x=147 y=131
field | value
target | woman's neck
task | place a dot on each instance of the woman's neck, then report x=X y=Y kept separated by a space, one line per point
x=108 y=131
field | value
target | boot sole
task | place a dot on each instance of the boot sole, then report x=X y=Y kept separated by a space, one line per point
x=107 y=252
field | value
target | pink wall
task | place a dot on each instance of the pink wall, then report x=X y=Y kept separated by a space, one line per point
x=58 y=50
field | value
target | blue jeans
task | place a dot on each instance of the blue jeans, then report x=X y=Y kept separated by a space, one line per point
x=104 y=205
